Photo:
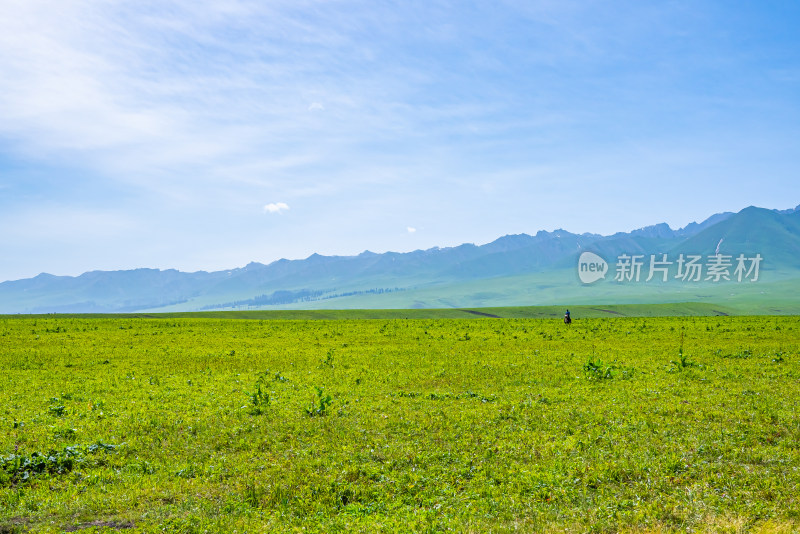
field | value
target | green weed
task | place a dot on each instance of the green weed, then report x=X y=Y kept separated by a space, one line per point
x=20 y=468
x=683 y=362
x=598 y=370
x=319 y=405
x=328 y=359
x=259 y=399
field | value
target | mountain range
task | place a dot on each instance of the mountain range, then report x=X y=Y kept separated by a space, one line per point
x=512 y=270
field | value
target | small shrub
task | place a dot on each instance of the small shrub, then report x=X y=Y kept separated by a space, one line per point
x=598 y=370
x=320 y=405
x=259 y=399
x=58 y=410
x=683 y=362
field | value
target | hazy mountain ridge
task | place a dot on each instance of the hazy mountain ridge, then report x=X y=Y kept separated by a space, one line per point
x=773 y=233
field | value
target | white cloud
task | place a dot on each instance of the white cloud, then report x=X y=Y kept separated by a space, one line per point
x=411 y=229
x=316 y=106
x=276 y=207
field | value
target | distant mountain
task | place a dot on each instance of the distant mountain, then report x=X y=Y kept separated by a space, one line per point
x=418 y=278
x=773 y=234
x=790 y=210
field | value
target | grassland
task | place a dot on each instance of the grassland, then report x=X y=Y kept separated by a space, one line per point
x=205 y=424
x=774 y=294
x=592 y=311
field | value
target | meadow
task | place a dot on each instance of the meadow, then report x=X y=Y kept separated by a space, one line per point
x=209 y=424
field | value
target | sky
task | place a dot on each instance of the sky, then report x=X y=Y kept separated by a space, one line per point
x=206 y=134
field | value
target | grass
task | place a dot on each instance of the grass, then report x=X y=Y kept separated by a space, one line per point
x=205 y=424
x=772 y=294
x=677 y=309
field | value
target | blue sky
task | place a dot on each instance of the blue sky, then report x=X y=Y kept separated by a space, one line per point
x=208 y=134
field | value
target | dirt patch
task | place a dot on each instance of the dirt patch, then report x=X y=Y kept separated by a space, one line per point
x=12 y=529
x=15 y=525
x=608 y=311
x=482 y=314
x=119 y=525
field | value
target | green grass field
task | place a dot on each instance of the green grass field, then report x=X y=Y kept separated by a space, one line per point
x=391 y=424
x=590 y=311
x=774 y=294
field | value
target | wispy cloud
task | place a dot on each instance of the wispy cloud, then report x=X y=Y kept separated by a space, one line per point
x=174 y=94
x=146 y=94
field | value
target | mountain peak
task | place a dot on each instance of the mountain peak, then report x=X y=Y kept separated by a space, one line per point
x=790 y=210
x=660 y=230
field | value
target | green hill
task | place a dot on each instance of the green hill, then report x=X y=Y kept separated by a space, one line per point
x=775 y=236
